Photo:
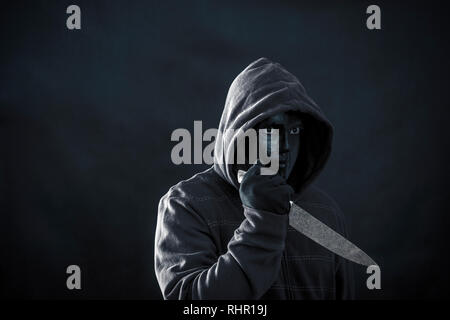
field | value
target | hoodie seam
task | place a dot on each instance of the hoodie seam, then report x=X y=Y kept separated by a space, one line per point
x=200 y=199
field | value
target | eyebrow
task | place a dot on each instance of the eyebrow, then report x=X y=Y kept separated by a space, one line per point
x=298 y=123
x=270 y=122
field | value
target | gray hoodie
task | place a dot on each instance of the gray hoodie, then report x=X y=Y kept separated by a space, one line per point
x=209 y=246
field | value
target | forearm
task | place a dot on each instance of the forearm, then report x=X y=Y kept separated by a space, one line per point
x=252 y=262
x=188 y=267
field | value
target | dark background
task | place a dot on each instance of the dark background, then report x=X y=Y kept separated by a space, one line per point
x=86 y=118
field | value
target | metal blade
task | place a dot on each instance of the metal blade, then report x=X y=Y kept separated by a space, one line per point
x=319 y=232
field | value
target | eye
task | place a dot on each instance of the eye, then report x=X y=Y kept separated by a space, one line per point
x=295 y=130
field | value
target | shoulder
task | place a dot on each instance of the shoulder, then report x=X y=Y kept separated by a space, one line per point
x=317 y=196
x=318 y=200
x=204 y=189
x=203 y=186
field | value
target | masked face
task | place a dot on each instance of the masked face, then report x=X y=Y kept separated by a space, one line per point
x=290 y=129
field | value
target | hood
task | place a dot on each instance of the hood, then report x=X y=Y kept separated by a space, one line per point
x=261 y=90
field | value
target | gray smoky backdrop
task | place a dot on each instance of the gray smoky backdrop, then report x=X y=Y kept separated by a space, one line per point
x=86 y=118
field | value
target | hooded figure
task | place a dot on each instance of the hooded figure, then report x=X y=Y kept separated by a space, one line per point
x=208 y=245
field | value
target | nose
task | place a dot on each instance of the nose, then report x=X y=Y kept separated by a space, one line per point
x=284 y=143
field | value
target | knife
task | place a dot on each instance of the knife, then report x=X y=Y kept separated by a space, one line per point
x=319 y=232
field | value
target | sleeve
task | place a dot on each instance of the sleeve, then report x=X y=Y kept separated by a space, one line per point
x=188 y=266
x=345 y=281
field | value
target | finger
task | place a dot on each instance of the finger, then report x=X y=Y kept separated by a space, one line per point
x=253 y=171
x=277 y=180
x=289 y=190
x=270 y=180
x=282 y=189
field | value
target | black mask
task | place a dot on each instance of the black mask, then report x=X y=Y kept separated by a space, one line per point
x=290 y=128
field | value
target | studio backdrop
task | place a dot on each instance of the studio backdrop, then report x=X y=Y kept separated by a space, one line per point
x=86 y=117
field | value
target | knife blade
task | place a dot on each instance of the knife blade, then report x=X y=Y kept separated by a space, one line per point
x=319 y=232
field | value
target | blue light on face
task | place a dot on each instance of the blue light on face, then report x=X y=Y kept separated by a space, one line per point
x=289 y=127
